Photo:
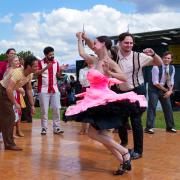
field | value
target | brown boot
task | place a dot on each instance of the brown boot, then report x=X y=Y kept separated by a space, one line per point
x=13 y=148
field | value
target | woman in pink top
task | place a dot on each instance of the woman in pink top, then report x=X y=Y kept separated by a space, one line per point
x=100 y=106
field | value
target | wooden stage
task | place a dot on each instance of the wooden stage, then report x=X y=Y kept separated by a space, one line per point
x=77 y=157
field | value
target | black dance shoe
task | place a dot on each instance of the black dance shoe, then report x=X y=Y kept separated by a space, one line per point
x=127 y=164
x=120 y=171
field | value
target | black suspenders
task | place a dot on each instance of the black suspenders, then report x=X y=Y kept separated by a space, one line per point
x=136 y=68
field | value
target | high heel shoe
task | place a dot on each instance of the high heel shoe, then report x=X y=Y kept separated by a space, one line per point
x=127 y=164
x=120 y=171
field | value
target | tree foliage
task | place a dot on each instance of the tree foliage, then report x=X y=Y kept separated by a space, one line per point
x=21 y=54
x=2 y=57
x=24 y=54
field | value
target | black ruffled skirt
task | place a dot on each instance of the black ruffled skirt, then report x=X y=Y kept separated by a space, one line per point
x=111 y=115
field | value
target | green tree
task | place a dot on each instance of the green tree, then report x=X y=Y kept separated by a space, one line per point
x=2 y=57
x=24 y=54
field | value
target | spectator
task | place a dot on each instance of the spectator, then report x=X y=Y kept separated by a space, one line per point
x=12 y=81
x=161 y=89
x=48 y=90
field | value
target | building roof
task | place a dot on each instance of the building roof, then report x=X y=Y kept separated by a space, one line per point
x=153 y=38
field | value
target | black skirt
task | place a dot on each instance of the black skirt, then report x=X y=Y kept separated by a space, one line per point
x=111 y=115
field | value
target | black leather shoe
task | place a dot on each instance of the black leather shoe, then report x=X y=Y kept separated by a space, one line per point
x=135 y=155
x=13 y=148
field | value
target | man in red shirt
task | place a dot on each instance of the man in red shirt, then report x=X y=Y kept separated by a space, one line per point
x=48 y=91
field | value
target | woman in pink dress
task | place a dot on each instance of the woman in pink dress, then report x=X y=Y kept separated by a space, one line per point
x=100 y=106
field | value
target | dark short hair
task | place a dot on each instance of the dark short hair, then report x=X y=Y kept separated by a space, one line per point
x=29 y=60
x=48 y=49
x=10 y=49
x=167 y=53
x=122 y=36
x=106 y=40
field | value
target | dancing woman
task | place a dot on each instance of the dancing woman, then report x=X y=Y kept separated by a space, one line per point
x=100 y=106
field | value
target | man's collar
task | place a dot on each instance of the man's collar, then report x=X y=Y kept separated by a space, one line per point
x=121 y=57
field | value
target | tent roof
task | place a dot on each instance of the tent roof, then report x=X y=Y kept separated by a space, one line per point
x=153 y=38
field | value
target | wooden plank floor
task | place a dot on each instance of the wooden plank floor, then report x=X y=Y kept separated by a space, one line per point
x=74 y=157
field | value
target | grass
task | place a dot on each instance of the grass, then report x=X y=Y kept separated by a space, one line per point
x=160 y=122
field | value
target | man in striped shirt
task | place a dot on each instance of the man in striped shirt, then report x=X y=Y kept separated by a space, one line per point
x=48 y=90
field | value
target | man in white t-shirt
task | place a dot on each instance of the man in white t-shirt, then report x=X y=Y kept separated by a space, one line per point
x=131 y=64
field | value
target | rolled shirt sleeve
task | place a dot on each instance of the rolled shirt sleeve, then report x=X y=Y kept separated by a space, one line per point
x=172 y=76
x=145 y=60
x=155 y=75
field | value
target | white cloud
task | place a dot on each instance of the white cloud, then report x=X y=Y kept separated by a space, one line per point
x=28 y=27
x=57 y=28
x=6 y=19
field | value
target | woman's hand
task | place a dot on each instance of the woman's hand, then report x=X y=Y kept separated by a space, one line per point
x=79 y=35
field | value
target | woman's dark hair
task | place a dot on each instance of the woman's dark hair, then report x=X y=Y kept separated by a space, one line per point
x=29 y=60
x=122 y=36
x=10 y=49
x=48 y=49
x=106 y=40
x=114 y=52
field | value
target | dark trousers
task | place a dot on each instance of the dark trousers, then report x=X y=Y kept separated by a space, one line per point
x=7 y=118
x=136 y=124
x=154 y=96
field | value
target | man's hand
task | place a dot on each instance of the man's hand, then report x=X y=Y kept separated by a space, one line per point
x=168 y=94
x=33 y=110
x=49 y=65
x=149 y=52
x=64 y=66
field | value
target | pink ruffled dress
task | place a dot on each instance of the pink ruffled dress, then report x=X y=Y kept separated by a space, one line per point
x=101 y=106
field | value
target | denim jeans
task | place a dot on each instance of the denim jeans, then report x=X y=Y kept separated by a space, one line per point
x=155 y=95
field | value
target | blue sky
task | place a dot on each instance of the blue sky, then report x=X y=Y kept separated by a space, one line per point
x=18 y=7
x=38 y=23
